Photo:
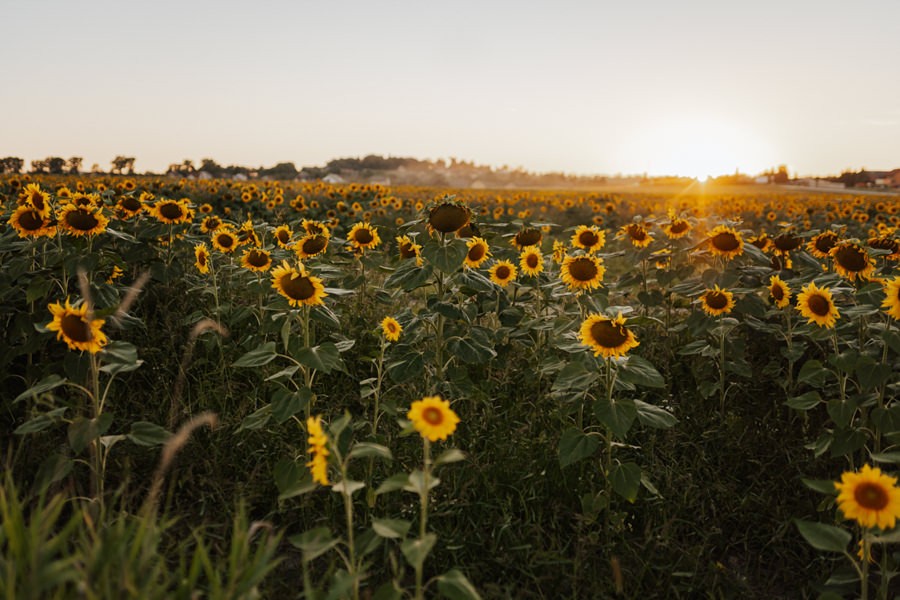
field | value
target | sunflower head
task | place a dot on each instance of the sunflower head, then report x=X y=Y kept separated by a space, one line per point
x=676 y=228
x=779 y=291
x=298 y=286
x=224 y=240
x=363 y=237
x=77 y=220
x=527 y=237
x=502 y=273
x=609 y=337
x=786 y=242
x=477 y=252
x=318 y=447
x=531 y=261
x=201 y=258
x=433 y=418
x=761 y=241
x=852 y=260
x=448 y=214
x=817 y=305
x=821 y=245
x=726 y=242
x=589 y=239
x=391 y=329
x=256 y=259
x=74 y=327
x=892 y=298
x=870 y=497
x=310 y=245
x=717 y=301
x=28 y=222
x=173 y=211
x=582 y=272
x=637 y=233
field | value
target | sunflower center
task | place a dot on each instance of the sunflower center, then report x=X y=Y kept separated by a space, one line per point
x=583 y=269
x=716 y=300
x=447 y=218
x=824 y=243
x=476 y=253
x=637 y=233
x=314 y=245
x=588 y=238
x=786 y=243
x=608 y=335
x=871 y=496
x=532 y=261
x=225 y=240
x=678 y=226
x=725 y=241
x=407 y=250
x=130 y=203
x=170 y=210
x=283 y=236
x=502 y=272
x=212 y=223
x=433 y=415
x=37 y=200
x=777 y=293
x=363 y=236
x=201 y=259
x=851 y=258
x=299 y=288
x=81 y=220
x=257 y=258
x=528 y=237
x=75 y=328
x=819 y=304
x=30 y=221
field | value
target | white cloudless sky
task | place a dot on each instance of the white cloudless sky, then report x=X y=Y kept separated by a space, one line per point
x=693 y=88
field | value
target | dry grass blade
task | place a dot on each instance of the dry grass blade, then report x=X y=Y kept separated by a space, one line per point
x=84 y=285
x=130 y=296
x=199 y=329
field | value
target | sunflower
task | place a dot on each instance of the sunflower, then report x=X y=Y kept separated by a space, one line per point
x=870 y=497
x=676 y=227
x=256 y=259
x=433 y=418
x=172 y=211
x=391 y=329
x=589 y=239
x=310 y=245
x=76 y=220
x=785 y=243
x=559 y=251
x=310 y=226
x=886 y=241
x=605 y=336
x=116 y=273
x=246 y=234
x=224 y=240
x=89 y=201
x=469 y=230
x=28 y=222
x=37 y=199
x=318 y=448
x=363 y=237
x=821 y=245
x=298 y=286
x=817 y=305
x=779 y=291
x=531 y=261
x=725 y=241
x=637 y=233
x=502 y=273
x=892 y=298
x=283 y=236
x=761 y=241
x=477 y=253
x=717 y=301
x=73 y=327
x=852 y=260
x=201 y=256
x=448 y=215
x=210 y=223
x=129 y=206
x=582 y=272
x=527 y=237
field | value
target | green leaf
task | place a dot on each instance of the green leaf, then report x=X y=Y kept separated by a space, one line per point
x=363 y=449
x=393 y=483
x=409 y=276
x=824 y=537
x=416 y=482
x=841 y=412
x=259 y=356
x=292 y=479
x=812 y=373
x=845 y=361
x=640 y=371
x=575 y=445
x=618 y=415
x=625 y=480
x=347 y=485
x=256 y=420
x=120 y=357
x=144 y=433
x=806 y=401
x=450 y=456
x=445 y=257
x=83 y=431
x=406 y=367
x=469 y=350
x=695 y=347
x=886 y=457
x=40 y=422
x=654 y=416
x=388 y=591
x=416 y=551
x=391 y=528
x=454 y=585
x=37 y=288
x=286 y=404
x=52 y=469
x=823 y=486
x=314 y=542
x=870 y=373
x=44 y=385
x=324 y=358
x=575 y=376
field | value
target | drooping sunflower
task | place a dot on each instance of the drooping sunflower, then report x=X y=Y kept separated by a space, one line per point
x=310 y=245
x=606 y=336
x=886 y=241
x=201 y=258
x=786 y=242
x=821 y=245
x=852 y=260
x=582 y=272
x=83 y=200
x=531 y=261
x=75 y=329
x=761 y=241
x=363 y=236
x=409 y=249
x=391 y=329
x=36 y=198
x=173 y=211
x=717 y=301
x=817 y=305
x=527 y=237
x=870 y=497
x=433 y=418
x=892 y=298
x=637 y=233
x=298 y=286
x=256 y=259
x=310 y=226
x=589 y=239
x=447 y=214
x=502 y=273
x=210 y=223
x=726 y=242
x=78 y=221
x=318 y=443
x=29 y=223
x=246 y=235
x=477 y=252
x=224 y=240
x=779 y=291
x=283 y=236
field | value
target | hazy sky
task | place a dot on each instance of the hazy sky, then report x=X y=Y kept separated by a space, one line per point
x=692 y=88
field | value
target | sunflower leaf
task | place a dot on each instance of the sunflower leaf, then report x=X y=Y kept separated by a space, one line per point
x=324 y=357
x=823 y=537
x=314 y=542
x=259 y=356
x=470 y=350
x=363 y=449
x=144 y=433
x=409 y=276
x=625 y=480
x=654 y=416
x=393 y=483
x=617 y=414
x=640 y=371
x=813 y=374
x=454 y=585
x=44 y=385
x=445 y=257
x=391 y=528
x=805 y=401
x=416 y=551
x=575 y=445
x=871 y=373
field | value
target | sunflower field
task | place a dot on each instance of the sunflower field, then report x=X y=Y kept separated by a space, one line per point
x=273 y=389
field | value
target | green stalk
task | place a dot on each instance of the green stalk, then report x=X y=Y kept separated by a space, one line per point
x=423 y=502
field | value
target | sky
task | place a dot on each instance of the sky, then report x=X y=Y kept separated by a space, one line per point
x=690 y=88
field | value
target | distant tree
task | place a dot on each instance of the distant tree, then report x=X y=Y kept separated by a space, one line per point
x=212 y=167
x=55 y=164
x=39 y=166
x=285 y=170
x=74 y=165
x=187 y=166
x=121 y=163
x=781 y=175
x=11 y=164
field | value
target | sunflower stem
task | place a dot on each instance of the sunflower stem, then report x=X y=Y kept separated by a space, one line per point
x=348 y=513
x=722 y=368
x=423 y=520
